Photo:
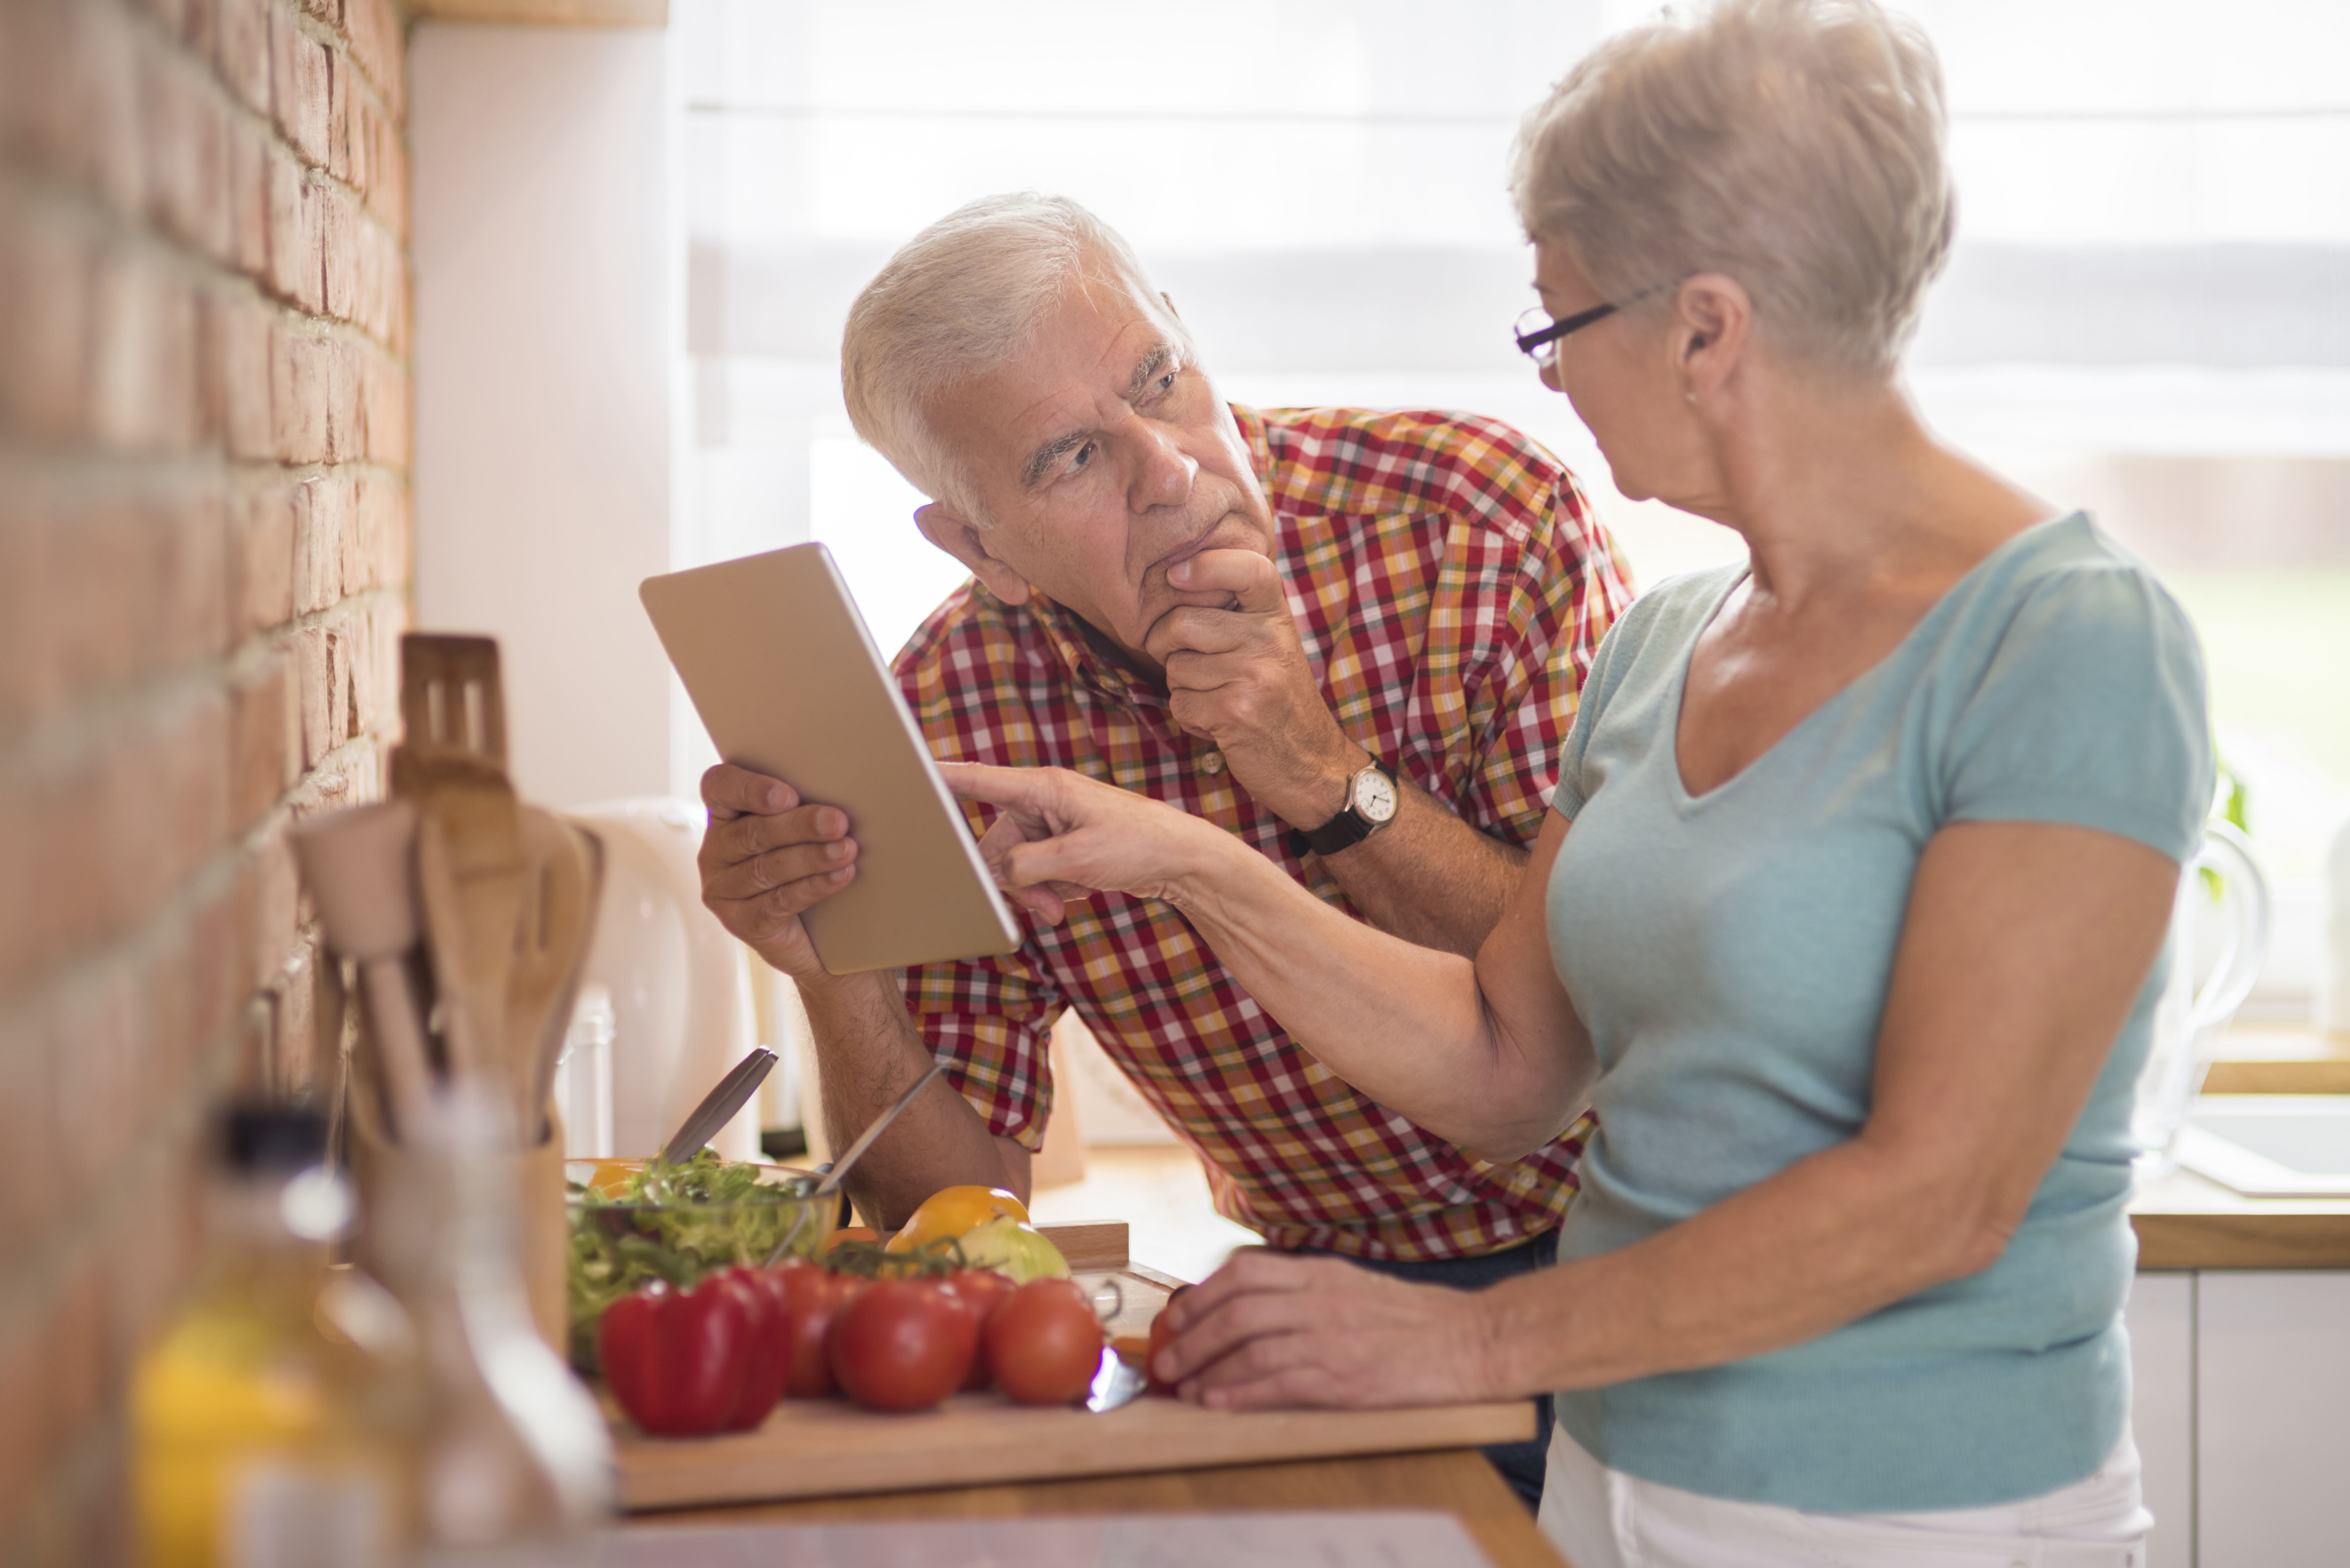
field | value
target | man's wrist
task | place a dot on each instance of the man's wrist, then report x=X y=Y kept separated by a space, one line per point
x=1324 y=795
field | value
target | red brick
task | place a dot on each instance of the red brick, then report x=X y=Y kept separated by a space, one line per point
x=47 y=282
x=326 y=523
x=341 y=84
x=69 y=96
x=373 y=27
x=94 y=1035
x=31 y=1190
x=236 y=376
x=248 y=196
x=144 y=356
x=242 y=51
x=274 y=889
x=262 y=561
x=220 y=935
x=154 y=1255
x=187 y=156
x=301 y=87
x=295 y=270
x=342 y=240
x=266 y=741
x=347 y=409
x=297 y=396
x=388 y=175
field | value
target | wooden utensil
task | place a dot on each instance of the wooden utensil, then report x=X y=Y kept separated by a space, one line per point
x=563 y=870
x=356 y=864
x=452 y=764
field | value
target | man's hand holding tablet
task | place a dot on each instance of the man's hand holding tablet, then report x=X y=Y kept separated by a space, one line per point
x=767 y=856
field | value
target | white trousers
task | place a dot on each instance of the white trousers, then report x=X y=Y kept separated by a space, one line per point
x=1602 y=1518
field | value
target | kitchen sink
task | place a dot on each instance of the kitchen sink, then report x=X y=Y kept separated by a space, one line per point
x=2270 y=1145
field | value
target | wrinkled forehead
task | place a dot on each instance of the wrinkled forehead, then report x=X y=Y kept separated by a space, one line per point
x=1099 y=348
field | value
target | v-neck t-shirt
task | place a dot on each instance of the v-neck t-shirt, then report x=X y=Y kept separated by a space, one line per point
x=1731 y=954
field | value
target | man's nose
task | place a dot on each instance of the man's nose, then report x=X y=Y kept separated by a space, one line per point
x=1163 y=471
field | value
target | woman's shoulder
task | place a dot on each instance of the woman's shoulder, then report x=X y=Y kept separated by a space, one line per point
x=2067 y=589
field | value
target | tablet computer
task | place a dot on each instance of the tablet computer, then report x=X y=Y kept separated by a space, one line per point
x=789 y=683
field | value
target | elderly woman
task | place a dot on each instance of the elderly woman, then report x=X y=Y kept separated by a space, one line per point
x=1846 y=913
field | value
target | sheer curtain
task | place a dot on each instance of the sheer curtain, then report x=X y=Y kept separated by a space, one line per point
x=2148 y=310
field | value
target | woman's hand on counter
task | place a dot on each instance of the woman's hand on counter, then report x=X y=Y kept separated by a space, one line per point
x=1268 y=1331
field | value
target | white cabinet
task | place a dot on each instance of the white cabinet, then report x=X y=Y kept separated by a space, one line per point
x=2242 y=1416
x=2161 y=1317
x=2272 y=1419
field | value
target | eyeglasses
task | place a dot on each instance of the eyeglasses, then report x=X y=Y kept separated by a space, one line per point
x=1538 y=335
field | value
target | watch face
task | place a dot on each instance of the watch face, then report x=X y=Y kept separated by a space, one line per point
x=1375 y=797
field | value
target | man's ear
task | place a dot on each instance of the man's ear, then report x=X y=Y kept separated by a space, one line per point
x=947 y=528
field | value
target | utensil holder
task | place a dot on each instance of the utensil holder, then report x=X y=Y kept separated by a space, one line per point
x=534 y=1188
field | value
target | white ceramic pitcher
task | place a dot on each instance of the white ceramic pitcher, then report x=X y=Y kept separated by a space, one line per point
x=2216 y=947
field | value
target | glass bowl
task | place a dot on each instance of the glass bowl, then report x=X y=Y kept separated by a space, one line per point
x=618 y=1245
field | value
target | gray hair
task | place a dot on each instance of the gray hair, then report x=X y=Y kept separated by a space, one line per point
x=1795 y=145
x=961 y=299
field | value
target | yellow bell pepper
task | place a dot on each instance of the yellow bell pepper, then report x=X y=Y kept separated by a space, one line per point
x=953 y=1212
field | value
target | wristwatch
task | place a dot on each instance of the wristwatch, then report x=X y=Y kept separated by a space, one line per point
x=1371 y=803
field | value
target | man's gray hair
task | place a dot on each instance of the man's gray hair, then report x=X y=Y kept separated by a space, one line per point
x=1795 y=145
x=961 y=299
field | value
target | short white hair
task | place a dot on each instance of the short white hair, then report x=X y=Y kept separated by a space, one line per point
x=958 y=300
x=1794 y=145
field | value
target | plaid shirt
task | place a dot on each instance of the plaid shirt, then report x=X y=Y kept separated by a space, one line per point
x=1449 y=585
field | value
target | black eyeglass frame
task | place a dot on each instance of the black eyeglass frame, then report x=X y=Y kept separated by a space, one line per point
x=1531 y=341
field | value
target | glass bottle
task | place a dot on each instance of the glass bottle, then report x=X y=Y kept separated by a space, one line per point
x=263 y=1433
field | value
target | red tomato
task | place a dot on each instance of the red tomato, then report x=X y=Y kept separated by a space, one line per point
x=982 y=1290
x=904 y=1345
x=813 y=1297
x=1044 y=1343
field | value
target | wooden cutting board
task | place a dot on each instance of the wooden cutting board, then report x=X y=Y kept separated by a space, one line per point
x=828 y=1448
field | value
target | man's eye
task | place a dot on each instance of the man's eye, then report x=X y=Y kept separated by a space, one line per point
x=1080 y=458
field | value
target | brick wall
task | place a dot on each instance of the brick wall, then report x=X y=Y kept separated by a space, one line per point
x=204 y=558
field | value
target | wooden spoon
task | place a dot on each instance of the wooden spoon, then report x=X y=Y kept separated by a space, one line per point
x=564 y=872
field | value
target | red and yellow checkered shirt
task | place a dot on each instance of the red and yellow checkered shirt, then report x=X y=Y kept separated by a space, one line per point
x=1450 y=586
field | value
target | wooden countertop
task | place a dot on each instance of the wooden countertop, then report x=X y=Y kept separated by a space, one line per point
x=2185 y=1222
x=1459 y=1482
x=2280 y=1060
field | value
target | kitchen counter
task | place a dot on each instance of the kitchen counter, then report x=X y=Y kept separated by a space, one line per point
x=2185 y=1222
x=1459 y=1482
x=2271 y=1060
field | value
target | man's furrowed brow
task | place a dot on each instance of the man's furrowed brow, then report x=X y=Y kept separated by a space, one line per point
x=1041 y=463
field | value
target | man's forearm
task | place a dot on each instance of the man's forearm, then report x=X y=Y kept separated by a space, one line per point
x=868 y=1052
x=1429 y=877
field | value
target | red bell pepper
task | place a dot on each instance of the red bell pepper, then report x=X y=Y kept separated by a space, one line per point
x=686 y=1362
x=768 y=1357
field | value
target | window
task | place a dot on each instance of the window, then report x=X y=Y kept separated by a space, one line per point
x=2148 y=311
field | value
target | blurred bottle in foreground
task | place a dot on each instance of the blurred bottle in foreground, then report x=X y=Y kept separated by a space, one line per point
x=270 y=1424
x=516 y=1460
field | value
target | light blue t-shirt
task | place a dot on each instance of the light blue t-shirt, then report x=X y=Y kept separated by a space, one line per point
x=1731 y=954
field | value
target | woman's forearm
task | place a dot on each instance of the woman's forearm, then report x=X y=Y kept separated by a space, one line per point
x=1410 y=1027
x=1829 y=1239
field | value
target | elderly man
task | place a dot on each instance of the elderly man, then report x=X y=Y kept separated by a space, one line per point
x=1354 y=639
